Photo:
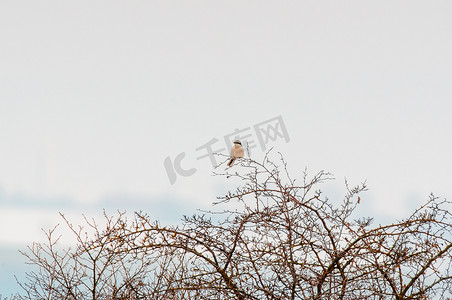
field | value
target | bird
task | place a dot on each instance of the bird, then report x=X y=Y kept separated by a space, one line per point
x=236 y=152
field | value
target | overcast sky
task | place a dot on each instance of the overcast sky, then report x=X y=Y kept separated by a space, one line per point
x=95 y=96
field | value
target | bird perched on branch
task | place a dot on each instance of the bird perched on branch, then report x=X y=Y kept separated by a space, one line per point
x=236 y=152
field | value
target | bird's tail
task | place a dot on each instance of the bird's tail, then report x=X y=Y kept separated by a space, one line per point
x=231 y=162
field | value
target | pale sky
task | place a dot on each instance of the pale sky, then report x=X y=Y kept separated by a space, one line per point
x=95 y=95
